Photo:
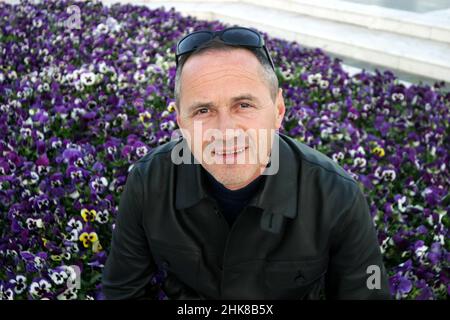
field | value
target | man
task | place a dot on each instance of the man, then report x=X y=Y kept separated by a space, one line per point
x=248 y=213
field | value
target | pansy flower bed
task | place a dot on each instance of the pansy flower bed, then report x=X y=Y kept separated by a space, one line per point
x=78 y=106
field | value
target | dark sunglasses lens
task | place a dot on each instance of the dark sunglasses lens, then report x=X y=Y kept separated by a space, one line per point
x=193 y=41
x=241 y=37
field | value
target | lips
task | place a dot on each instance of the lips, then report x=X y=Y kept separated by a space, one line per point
x=230 y=152
x=234 y=151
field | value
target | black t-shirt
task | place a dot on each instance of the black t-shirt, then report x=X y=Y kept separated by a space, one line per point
x=231 y=202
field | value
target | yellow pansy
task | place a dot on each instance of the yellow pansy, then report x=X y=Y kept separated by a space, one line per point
x=56 y=257
x=97 y=247
x=88 y=238
x=88 y=215
x=171 y=107
x=379 y=151
x=144 y=116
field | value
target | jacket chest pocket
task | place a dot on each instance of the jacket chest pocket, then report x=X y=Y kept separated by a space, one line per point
x=296 y=279
x=181 y=262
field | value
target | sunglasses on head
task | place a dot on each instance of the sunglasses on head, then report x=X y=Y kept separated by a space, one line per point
x=236 y=36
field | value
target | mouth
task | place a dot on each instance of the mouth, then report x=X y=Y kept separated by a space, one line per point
x=235 y=151
x=229 y=156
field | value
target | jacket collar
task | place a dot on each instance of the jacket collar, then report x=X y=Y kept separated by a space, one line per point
x=278 y=196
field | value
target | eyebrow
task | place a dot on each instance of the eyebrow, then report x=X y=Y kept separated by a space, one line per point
x=244 y=96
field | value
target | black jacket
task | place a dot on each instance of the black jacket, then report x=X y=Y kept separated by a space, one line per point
x=307 y=234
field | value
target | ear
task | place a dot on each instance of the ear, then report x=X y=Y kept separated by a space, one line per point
x=280 y=109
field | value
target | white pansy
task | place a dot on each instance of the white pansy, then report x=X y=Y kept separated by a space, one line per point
x=6 y=294
x=101 y=29
x=102 y=217
x=57 y=278
x=113 y=24
x=19 y=284
x=74 y=195
x=323 y=84
x=165 y=113
x=139 y=77
x=360 y=162
x=42 y=286
x=39 y=223
x=314 y=78
x=88 y=78
x=338 y=156
x=420 y=251
x=141 y=151
x=75 y=224
x=68 y=294
x=102 y=67
x=74 y=234
x=389 y=175
x=400 y=203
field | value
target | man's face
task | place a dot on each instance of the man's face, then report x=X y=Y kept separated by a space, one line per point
x=227 y=114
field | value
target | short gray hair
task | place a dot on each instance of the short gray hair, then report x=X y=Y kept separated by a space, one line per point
x=266 y=72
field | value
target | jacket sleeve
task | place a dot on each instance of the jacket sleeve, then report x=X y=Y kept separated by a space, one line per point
x=129 y=266
x=356 y=269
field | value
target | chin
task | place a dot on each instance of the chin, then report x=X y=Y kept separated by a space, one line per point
x=233 y=174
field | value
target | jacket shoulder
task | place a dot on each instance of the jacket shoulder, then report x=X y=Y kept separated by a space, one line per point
x=323 y=180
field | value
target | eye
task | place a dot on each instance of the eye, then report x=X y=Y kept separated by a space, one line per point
x=201 y=111
x=244 y=106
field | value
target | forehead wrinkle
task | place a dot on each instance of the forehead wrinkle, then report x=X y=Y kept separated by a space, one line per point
x=204 y=82
x=225 y=71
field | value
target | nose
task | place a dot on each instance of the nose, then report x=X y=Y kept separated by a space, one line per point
x=225 y=122
x=228 y=130
x=231 y=130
